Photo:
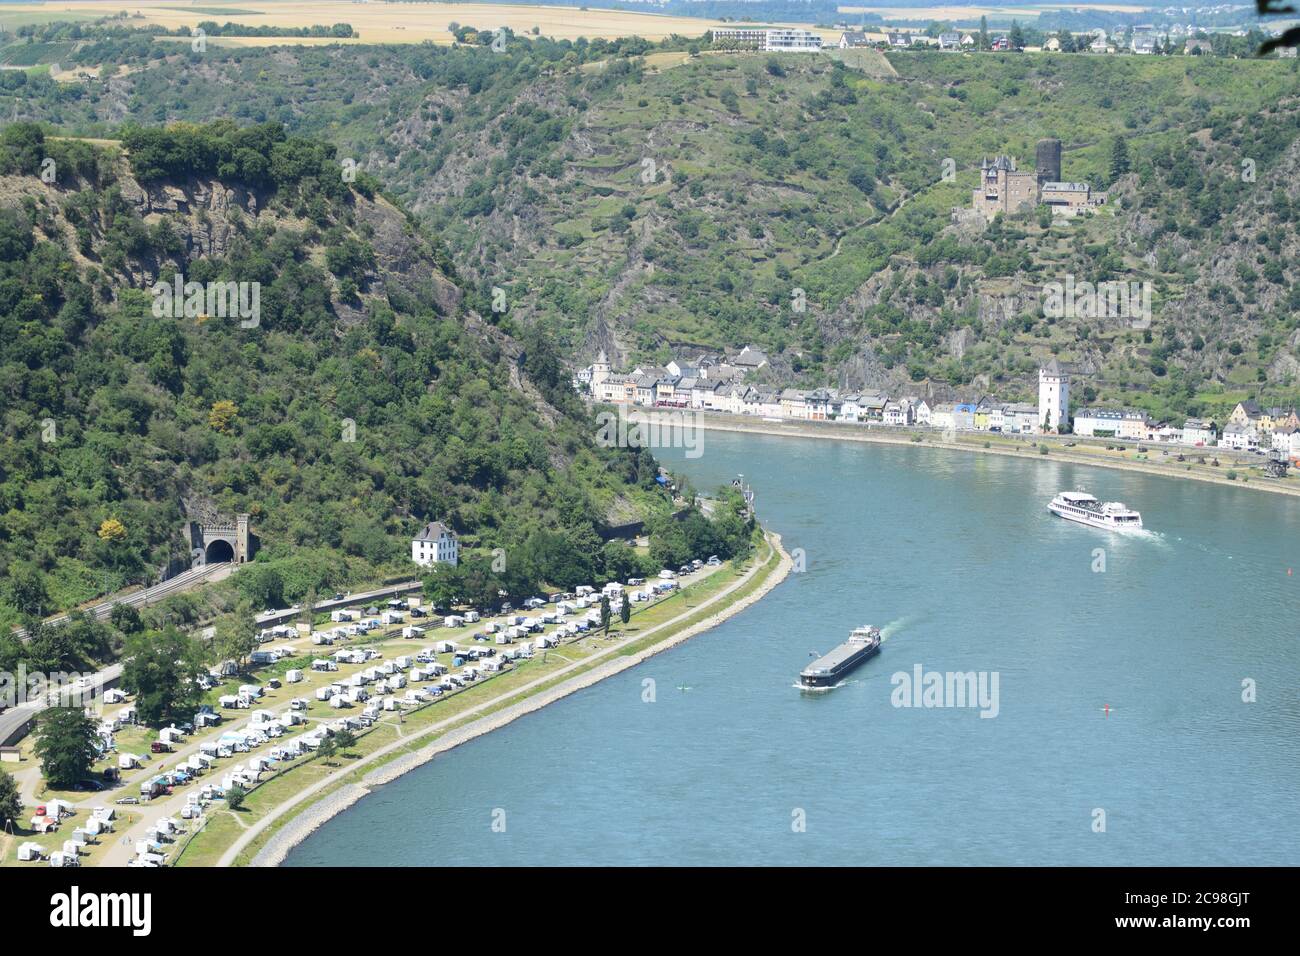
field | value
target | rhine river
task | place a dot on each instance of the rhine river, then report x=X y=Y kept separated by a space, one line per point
x=1119 y=691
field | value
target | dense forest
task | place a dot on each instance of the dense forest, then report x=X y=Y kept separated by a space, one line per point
x=368 y=398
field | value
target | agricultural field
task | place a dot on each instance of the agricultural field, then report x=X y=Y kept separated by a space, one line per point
x=377 y=22
x=1026 y=13
x=30 y=54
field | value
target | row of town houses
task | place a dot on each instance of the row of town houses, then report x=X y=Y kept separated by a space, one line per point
x=716 y=384
x=1249 y=428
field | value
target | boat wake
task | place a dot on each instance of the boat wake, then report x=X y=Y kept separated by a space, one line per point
x=1138 y=533
x=898 y=625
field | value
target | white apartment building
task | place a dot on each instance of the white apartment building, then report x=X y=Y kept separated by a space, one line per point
x=435 y=544
x=792 y=41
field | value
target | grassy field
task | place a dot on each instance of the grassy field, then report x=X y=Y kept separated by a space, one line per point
x=377 y=22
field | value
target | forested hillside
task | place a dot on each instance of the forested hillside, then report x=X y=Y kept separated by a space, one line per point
x=618 y=195
x=626 y=202
x=366 y=397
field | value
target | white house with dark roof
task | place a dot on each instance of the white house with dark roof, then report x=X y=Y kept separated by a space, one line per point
x=1242 y=437
x=1020 y=418
x=1198 y=431
x=749 y=359
x=435 y=544
x=818 y=403
x=1286 y=442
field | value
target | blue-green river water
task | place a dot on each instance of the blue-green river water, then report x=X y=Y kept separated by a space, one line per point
x=1119 y=692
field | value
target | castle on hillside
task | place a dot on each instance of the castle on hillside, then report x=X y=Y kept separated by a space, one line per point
x=1005 y=189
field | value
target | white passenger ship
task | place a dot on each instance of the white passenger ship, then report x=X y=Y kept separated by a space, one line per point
x=1084 y=508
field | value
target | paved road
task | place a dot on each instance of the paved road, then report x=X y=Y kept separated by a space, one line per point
x=13 y=722
x=362 y=597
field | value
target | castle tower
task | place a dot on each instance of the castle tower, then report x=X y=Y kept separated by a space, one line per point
x=242 y=550
x=599 y=369
x=1053 y=396
x=1047 y=161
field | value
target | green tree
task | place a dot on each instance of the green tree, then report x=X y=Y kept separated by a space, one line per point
x=625 y=610
x=126 y=619
x=161 y=670
x=235 y=797
x=235 y=635
x=604 y=613
x=620 y=561
x=11 y=803
x=443 y=584
x=1119 y=164
x=345 y=739
x=261 y=584
x=65 y=745
x=327 y=749
x=27 y=590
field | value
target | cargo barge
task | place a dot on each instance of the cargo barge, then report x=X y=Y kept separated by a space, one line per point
x=862 y=645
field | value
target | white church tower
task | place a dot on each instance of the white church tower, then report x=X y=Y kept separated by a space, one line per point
x=599 y=370
x=1053 y=397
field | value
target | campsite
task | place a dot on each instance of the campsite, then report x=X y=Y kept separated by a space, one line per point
x=376 y=678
